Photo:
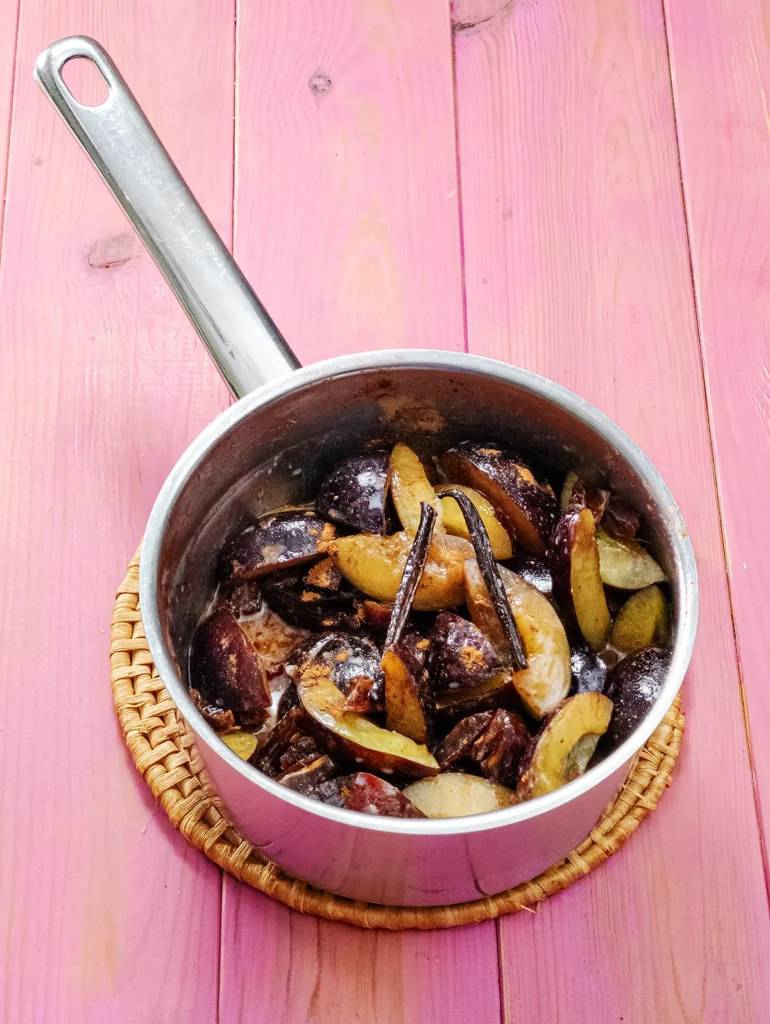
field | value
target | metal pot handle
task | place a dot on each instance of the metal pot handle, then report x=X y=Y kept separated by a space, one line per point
x=237 y=330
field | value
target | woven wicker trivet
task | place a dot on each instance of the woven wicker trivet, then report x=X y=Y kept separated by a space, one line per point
x=163 y=750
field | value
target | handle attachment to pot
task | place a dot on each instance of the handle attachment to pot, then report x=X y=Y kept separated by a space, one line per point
x=236 y=328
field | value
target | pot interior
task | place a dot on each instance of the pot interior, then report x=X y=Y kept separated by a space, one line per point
x=277 y=454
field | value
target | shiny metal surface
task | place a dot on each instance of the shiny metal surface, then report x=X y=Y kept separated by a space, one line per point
x=273 y=446
x=237 y=330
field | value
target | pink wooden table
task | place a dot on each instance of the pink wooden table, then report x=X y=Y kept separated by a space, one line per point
x=581 y=187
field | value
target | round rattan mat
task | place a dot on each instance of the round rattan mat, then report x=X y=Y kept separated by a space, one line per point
x=164 y=752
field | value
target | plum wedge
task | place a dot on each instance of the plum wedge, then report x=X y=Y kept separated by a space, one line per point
x=353 y=665
x=291 y=729
x=307 y=778
x=276 y=542
x=219 y=718
x=525 y=500
x=565 y=497
x=355 y=493
x=272 y=638
x=410 y=487
x=305 y=606
x=241 y=743
x=490 y=573
x=545 y=683
x=497 y=692
x=460 y=654
x=227 y=671
x=354 y=737
x=454 y=521
x=565 y=744
x=625 y=564
x=643 y=621
x=458 y=743
x=620 y=520
x=324 y=576
x=408 y=698
x=634 y=685
x=408 y=694
x=455 y=795
x=501 y=746
x=376 y=564
x=576 y=574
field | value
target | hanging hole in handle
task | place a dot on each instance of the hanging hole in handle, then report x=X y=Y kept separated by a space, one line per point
x=85 y=81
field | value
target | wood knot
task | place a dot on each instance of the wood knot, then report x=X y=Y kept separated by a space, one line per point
x=470 y=16
x=113 y=251
x=320 y=84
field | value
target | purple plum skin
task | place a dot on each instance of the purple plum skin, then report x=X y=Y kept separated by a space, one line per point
x=524 y=499
x=355 y=493
x=589 y=672
x=226 y=670
x=460 y=654
x=276 y=542
x=633 y=686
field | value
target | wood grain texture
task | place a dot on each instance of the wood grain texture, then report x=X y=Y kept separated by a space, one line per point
x=106 y=914
x=720 y=60
x=347 y=224
x=298 y=968
x=346 y=185
x=9 y=15
x=576 y=265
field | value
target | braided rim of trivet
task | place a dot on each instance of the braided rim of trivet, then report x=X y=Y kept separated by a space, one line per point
x=164 y=752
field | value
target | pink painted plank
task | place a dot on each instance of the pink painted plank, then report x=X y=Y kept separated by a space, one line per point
x=346 y=221
x=107 y=914
x=9 y=15
x=720 y=56
x=294 y=968
x=577 y=266
x=346 y=184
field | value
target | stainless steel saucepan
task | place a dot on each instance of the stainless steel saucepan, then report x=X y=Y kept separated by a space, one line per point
x=273 y=446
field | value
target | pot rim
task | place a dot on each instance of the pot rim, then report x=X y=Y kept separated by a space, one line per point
x=437 y=360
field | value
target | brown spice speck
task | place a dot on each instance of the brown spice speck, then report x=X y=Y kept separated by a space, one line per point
x=471 y=657
x=315 y=673
x=526 y=475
